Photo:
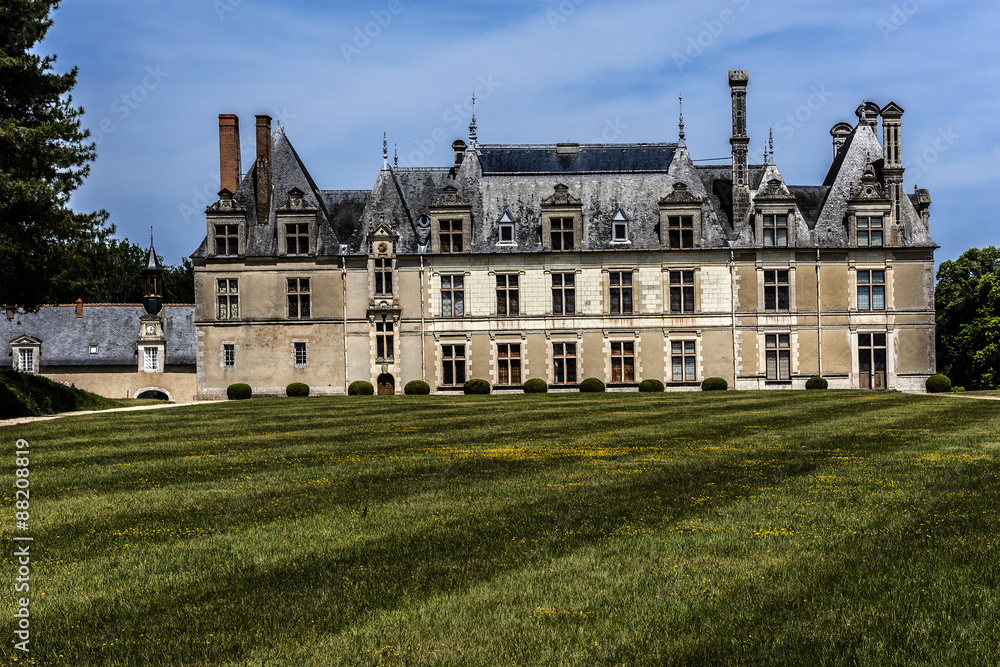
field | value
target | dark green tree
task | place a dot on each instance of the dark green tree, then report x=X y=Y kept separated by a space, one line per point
x=977 y=345
x=44 y=157
x=962 y=299
x=178 y=282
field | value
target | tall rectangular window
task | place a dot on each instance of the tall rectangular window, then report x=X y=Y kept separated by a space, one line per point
x=228 y=355
x=296 y=239
x=563 y=294
x=871 y=290
x=453 y=296
x=561 y=233
x=621 y=292
x=776 y=290
x=622 y=362
x=683 y=361
x=227 y=240
x=869 y=231
x=680 y=232
x=453 y=364
x=298 y=298
x=150 y=359
x=26 y=360
x=564 y=363
x=871 y=360
x=778 y=356
x=384 y=341
x=299 y=351
x=228 y=296
x=507 y=295
x=383 y=277
x=508 y=364
x=451 y=236
x=682 y=291
x=776 y=230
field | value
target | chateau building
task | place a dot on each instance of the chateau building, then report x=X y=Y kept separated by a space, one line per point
x=566 y=261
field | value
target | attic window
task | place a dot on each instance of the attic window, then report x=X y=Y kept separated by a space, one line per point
x=776 y=230
x=619 y=228
x=93 y=349
x=506 y=230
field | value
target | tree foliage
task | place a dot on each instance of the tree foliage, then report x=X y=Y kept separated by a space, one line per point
x=967 y=299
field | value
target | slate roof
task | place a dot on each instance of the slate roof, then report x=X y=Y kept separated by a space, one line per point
x=590 y=159
x=114 y=328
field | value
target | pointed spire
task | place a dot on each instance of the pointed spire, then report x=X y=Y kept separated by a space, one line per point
x=395 y=154
x=680 y=124
x=385 y=151
x=472 y=125
x=770 y=146
x=151 y=236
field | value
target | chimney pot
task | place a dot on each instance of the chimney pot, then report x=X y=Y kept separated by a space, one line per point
x=79 y=307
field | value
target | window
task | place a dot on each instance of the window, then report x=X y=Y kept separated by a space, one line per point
x=776 y=290
x=682 y=291
x=507 y=300
x=228 y=355
x=384 y=341
x=453 y=364
x=229 y=298
x=561 y=230
x=383 y=277
x=871 y=290
x=682 y=360
x=869 y=232
x=622 y=362
x=508 y=364
x=227 y=240
x=451 y=236
x=296 y=239
x=778 y=356
x=298 y=298
x=26 y=360
x=564 y=363
x=871 y=360
x=299 y=353
x=621 y=292
x=506 y=230
x=452 y=296
x=563 y=294
x=94 y=349
x=619 y=228
x=150 y=359
x=680 y=232
x=776 y=230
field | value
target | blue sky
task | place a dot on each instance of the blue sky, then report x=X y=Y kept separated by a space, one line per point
x=155 y=74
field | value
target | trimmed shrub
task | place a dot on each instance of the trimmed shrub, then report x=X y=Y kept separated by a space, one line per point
x=360 y=388
x=651 y=385
x=417 y=387
x=817 y=382
x=535 y=386
x=239 y=391
x=956 y=390
x=28 y=394
x=714 y=384
x=938 y=383
x=476 y=386
x=592 y=384
x=297 y=389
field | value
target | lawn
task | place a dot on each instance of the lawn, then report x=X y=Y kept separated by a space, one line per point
x=725 y=528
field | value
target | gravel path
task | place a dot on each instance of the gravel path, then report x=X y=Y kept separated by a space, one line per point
x=29 y=420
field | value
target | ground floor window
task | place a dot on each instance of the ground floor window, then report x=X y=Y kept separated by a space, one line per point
x=683 y=361
x=508 y=364
x=26 y=360
x=564 y=363
x=453 y=364
x=871 y=360
x=229 y=355
x=299 y=350
x=779 y=356
x=622 y=362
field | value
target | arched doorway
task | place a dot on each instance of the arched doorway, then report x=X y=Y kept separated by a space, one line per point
x=154 y=392
x=386 y=385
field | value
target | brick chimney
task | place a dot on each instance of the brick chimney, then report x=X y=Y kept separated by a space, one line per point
x=263 y=164
x=79 y=307
x=229 y=151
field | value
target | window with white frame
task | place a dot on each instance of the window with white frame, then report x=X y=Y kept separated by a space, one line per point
x=151 y=359
x=619 y=228
x=26 y=360
x=299 y=352
x=228 y=355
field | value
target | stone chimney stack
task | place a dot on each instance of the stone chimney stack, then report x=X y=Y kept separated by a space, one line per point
x=740 y=143
x=459 y=147
x=840 y=132
x=229 y=151
x=263 y=169
x=892 y=169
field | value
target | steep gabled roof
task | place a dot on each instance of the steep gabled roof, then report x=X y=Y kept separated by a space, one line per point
x=576 y=159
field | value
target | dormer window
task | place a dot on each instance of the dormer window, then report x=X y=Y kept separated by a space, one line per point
x=297 y=239
x=506 y=230
x=619 y=228
x=776 y=230
x=227 y=240
x=869 y=231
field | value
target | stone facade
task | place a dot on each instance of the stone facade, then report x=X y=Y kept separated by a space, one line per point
x=566 y=261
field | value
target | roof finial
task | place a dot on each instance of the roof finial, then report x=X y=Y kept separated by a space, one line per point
x=770 y=145
x=151 y=236
x=680 y=124
x=395 y=154
x=864 y=111
x=472 y=125
x=385 y=146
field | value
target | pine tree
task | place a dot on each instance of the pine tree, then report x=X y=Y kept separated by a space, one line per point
x=44 y=156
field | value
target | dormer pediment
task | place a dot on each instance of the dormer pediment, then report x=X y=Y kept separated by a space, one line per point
x=450 y=199
x=680 y=195
x=561 y=197
x=296 y=202
x=869 y=189
x=383 y=231
x=25 y=341
x=774 y=192
x=225 y=204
